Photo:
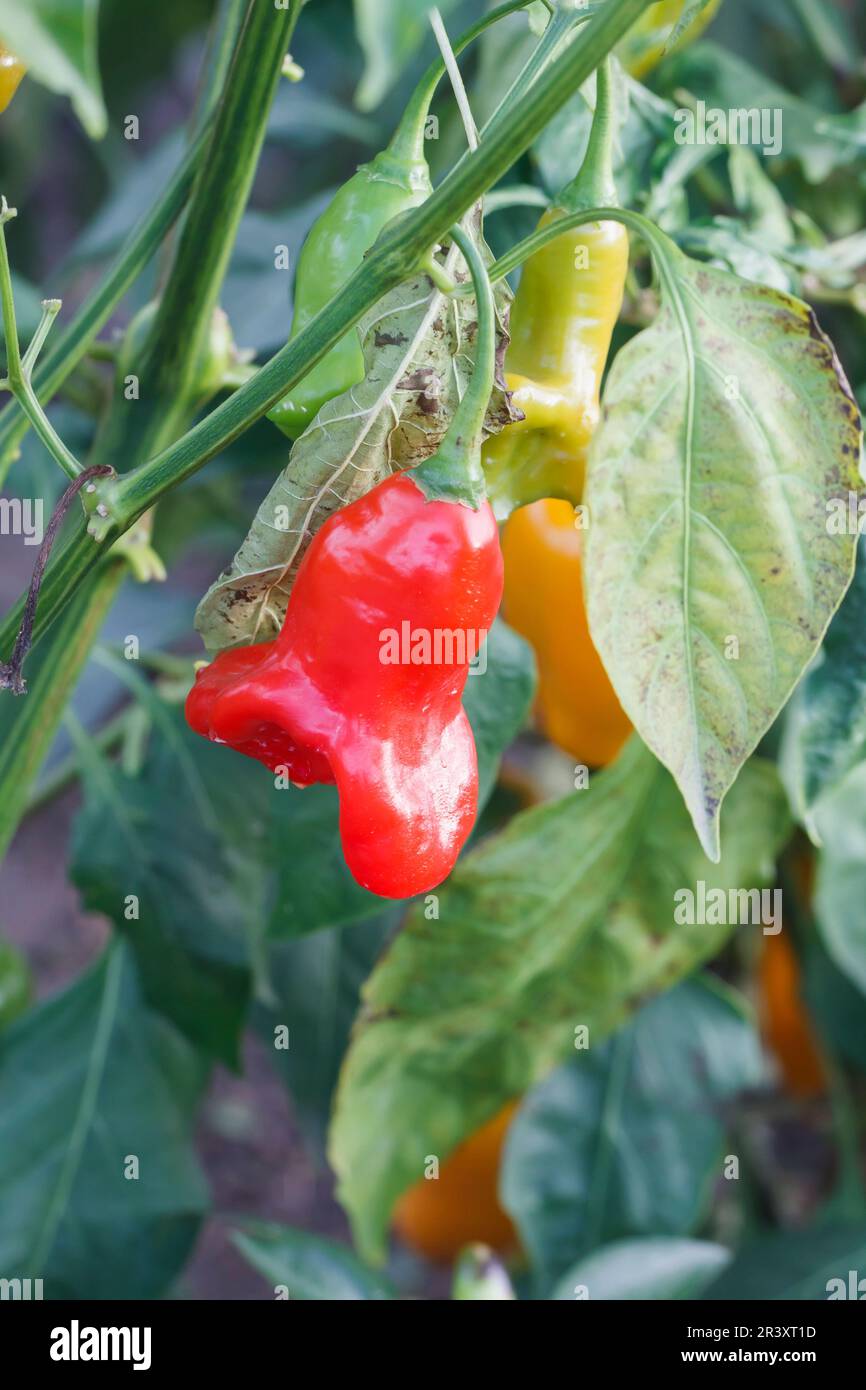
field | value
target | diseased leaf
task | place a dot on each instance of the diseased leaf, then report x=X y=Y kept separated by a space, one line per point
x=712 y=562
x=626 y=1138
x=566 y=918
x=88 y=1080
x=418 y=351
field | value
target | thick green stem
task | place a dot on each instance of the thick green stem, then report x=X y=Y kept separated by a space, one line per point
x=168 y=364
x=396 y=255
x=72 y=344
x=29 y=725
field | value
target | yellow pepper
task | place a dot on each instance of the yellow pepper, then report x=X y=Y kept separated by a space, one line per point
x=645 y=44
x=11 y=73
x=562 y=319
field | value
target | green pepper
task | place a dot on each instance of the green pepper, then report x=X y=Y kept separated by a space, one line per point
x=394 y=182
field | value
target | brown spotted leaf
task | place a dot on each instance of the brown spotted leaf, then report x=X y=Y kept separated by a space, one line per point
x=568 y=917
x=713 y=561
x=419 y=354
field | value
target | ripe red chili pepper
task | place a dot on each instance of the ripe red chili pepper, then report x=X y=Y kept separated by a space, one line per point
x=341 y=695
x=325 y=701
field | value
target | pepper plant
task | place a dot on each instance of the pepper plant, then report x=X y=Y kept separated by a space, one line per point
x=492 y=892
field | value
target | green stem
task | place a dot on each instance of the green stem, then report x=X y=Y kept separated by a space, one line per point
x=72 y=344
x=394 y=258
x=169 y=361
x=17 y=378
x=217 y=60
x=29 y=725
x=594 y=185
x=454 y=472
x=563 y=21
x=407 y=143
x=69 y=769
x=522 y=251
x=50 y=309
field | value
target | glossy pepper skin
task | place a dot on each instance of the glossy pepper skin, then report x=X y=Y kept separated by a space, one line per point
x=646 y=42
x=396 y=180
x=11 y=73
x=577 y=705
x=562 y=318
x=326 y=701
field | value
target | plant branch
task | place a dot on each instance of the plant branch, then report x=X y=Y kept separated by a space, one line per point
x=74 y=341
x=394 y=257
x=17 y=379
x=168 y=363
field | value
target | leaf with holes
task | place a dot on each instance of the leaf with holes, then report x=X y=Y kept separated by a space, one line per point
x=728 y=435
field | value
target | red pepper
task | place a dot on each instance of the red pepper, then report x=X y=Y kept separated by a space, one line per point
x=392 y=575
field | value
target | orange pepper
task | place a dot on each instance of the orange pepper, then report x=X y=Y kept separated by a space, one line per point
x=543 y=600
x=439 y=1216
x=785 y=1022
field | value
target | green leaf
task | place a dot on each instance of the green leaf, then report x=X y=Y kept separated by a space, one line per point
x=28 y=723
x=307 y=1266
x=88 y=1081
x=723 y=80
x=825 y=737
x=654 y=1268
x=390 y=33
x=794 y=1265
x=158 y=855
x=415 y=350
x=57 y=40
x=16 y=985
x=626 y=1138
x=840 y=820
x=728 y=432
x=565 y=918
x=836 y=1005
x=313 y=990
x=315 y=887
